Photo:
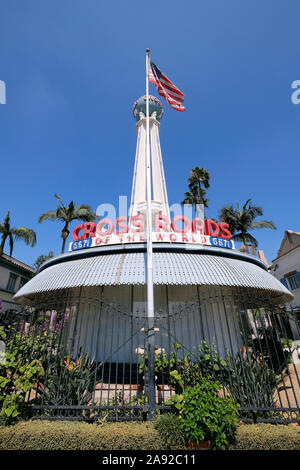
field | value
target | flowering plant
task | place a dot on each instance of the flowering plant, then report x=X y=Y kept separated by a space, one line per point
x=17 y=376
x=70 y=380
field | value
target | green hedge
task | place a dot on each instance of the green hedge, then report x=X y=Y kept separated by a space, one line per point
x=267 y=437
x=66 y=435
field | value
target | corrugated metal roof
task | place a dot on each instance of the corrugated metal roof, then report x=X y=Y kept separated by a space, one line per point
x=170 y=268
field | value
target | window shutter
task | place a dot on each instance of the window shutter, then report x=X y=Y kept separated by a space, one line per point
x=298 y=277
x=284 y=282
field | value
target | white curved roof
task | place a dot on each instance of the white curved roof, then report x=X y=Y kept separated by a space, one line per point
x=209 y=267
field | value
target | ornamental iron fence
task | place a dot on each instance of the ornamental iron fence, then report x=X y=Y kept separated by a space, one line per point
x=103 y=360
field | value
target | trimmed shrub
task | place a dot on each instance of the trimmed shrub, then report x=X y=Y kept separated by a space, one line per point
x=66 y=435
x=267 y=437
x=168 y=425
x=75 y=435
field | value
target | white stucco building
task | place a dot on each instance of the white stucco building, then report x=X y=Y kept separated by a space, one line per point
x=13 y=275
x=286 y=267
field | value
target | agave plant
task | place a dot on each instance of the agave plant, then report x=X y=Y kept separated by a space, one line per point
x=70 y=380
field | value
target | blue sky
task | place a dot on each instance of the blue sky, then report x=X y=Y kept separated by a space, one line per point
x=73 y=70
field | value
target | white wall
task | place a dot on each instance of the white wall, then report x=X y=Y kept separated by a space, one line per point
x=285 y=264
x=5 y=295
x=110 y=333
x=4 y=276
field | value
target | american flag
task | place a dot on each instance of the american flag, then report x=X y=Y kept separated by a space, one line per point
x=166 y=88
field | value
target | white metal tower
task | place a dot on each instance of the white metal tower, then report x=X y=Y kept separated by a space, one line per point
x=160 y=203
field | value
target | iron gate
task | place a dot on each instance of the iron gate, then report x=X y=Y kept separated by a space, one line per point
x=103 y=362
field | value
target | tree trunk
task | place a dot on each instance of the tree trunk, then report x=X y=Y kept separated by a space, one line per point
x=64 y=234
x=199 y=199
x=2 y=245
x=11 y=247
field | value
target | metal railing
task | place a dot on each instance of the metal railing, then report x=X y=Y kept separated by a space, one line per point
x=94 y=354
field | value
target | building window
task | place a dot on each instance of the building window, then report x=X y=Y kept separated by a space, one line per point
x=22 y=282
x=293 y=282
x=11 y=285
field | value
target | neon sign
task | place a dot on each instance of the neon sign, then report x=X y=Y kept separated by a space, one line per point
x=179 y=230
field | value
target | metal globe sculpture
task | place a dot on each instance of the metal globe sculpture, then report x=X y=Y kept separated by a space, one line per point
x=155 y=106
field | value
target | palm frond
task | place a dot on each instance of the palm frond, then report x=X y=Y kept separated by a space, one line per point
x=6 y=223
x=263 y=224
x=205 y=202
x=71 y=206
x=188 y=199
x=52 y=215
x=246 y=204
x=85 y=213
x=254 y=211
x=199 y=175
x=63 y=214
x=59 y=200
x=26 y=234
x=239 y=237
x=229 y=215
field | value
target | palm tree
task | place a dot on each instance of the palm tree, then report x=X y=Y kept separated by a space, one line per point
x=13 y=234
x=241 y=220
x=41 y=259
x=196 y=194
x=198 y=177
x=193 y=198
x=67 y=215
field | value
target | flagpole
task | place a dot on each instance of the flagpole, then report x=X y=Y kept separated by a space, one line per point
x=150 y=299
x=150 y=293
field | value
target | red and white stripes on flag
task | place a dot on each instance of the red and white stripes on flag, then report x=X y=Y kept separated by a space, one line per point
x=166 y=88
